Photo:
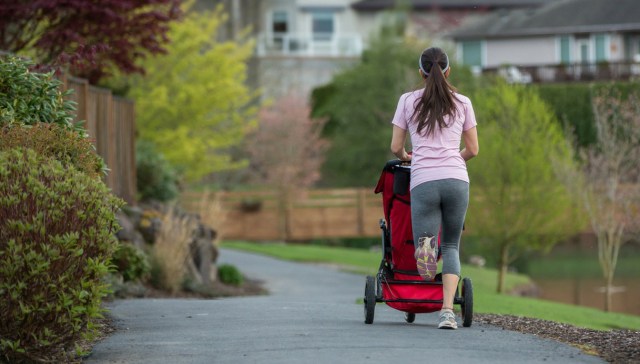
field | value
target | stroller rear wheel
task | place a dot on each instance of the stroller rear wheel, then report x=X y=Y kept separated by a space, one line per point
x=369 y=299
x=467 y=303
x=410 y=317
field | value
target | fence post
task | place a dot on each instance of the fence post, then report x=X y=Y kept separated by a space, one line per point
x=360 y=210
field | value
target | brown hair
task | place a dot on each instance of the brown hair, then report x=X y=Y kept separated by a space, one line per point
x=438 y=100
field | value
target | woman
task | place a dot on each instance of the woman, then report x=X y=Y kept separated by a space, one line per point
x=437 y=119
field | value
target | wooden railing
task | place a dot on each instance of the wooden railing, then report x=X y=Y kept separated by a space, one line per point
x=606 y=71
x=110 y=123
x=310 y=214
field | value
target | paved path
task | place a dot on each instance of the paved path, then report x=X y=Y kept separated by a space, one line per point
x=310 y=317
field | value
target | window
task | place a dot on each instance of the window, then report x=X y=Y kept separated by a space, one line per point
x=565 y=50
x=472 y=53
x=322 y=24
x=279 y=22
x=601 y=49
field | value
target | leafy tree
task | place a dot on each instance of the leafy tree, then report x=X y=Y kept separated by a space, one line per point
x=90 y=36
x=517 y=202
x=287 y=150
x=193 y=104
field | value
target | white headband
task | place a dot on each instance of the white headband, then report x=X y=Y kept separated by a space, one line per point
x=427 y=73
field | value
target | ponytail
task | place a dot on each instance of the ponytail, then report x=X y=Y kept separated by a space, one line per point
x=437 y=100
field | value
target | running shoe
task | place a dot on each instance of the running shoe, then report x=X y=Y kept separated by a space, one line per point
x=447 y=320
x=427 y=257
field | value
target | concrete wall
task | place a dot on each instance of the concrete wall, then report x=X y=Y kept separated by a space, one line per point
x=278 y=76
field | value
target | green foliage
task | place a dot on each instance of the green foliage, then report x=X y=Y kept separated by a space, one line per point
x=52 y=140
x=156 y=178
x=193 y=103
x=229 y=274
x=571 y=103
x=29 y=98
x=130 y=262
x=517 y=202
x=359 y=104
x=57 y=230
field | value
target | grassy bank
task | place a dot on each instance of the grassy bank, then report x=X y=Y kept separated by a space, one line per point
x=484 y=285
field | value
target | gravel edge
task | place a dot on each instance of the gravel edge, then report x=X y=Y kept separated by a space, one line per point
x=614 y=346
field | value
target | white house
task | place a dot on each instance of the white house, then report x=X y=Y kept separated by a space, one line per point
x=581 y=36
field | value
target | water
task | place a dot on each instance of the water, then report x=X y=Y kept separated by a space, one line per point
x=590 y=293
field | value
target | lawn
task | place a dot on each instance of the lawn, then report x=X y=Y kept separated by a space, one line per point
x=486 y=300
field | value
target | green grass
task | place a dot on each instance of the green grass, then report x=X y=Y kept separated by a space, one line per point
x=486 y=300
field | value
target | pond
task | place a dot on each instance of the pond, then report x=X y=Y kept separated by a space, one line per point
x=590 y=292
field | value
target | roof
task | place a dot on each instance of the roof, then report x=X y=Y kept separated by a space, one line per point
x=371 y=5
x=561 y=17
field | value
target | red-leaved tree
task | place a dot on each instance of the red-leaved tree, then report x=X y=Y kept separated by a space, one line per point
x=90 y=37
x=287 y=150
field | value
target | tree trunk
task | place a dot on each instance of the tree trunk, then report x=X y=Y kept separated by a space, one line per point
x=503 y=265
x=608 y=293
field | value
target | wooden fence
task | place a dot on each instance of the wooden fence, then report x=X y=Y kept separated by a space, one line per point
x=310 y=214
x=110 y=123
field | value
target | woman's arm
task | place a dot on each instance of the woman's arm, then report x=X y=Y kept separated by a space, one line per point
x=397 y=143
x=471 y=147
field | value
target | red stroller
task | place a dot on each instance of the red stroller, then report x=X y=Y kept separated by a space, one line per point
x=397 y=282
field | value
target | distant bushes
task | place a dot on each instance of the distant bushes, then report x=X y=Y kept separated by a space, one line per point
x=571 y=102
x=156 y=178
x=57 y=228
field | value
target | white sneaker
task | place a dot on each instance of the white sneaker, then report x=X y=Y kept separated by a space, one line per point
x=447 y=320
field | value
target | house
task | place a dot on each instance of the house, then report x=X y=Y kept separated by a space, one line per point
x=562 y=40
x=301 y=44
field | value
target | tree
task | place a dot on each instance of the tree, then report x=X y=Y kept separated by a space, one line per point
x=609 y=178
x=287 y=150
x=193 y=103
x=92 y=37
x=517 y=201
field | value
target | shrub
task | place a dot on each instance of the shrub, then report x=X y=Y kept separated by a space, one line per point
x=57 y=230
x=172 y=250
x=229 y=274
x=156 y=178
x=29 y=97
x=52 y=140
x=130 y=262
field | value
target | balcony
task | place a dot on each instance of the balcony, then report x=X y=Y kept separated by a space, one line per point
x=309 y=45
x=608 y=71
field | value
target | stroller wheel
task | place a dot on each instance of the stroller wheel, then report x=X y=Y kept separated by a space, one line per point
x=369 y=300
x=410 y=317
x=467 y=302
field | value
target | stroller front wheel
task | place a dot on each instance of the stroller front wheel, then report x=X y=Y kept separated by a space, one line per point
x=410 y=317
x=369 y=300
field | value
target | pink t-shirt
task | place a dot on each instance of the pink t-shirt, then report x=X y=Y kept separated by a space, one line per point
x=437 y=156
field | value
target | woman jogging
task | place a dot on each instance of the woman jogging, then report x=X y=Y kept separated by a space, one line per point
x=437 y=119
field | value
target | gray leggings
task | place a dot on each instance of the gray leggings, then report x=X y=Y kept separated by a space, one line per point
x=441 y=202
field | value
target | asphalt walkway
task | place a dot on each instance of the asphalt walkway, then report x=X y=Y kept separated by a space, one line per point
x=311 y=316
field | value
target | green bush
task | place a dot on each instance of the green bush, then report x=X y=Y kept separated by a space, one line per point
x=156 y=178
x=229 y=274
x=572 y=104
x=131 y=262
x=57 y=230
x=52 y=140
x=29 y=97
